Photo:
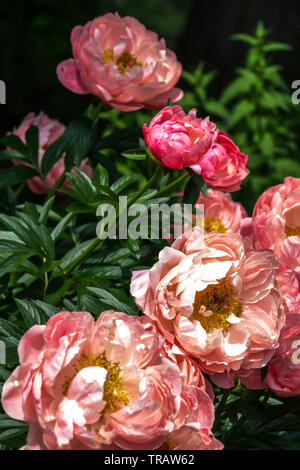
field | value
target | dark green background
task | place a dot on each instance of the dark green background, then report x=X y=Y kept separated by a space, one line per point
x=34 y=38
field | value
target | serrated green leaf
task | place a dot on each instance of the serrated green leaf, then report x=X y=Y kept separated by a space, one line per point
x=32 y=312
x=111 y=301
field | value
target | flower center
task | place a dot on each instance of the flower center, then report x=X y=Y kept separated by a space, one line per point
x=113 y=393
x=292 y=231
x=214 y=304
x=214 y=225
x=124 y=62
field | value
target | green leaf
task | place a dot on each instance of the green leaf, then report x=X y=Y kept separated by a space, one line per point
x=15 y=175
x=241 y=110
x=100 y=176
x=135 y=154
x=133 y=245
x=191 y=193
x=15 y=143
x=11 y=429
x=14 y=261
x=60 y=227
x=4 y=374
x=41 y=235
x=198 y=181
x=82 y=188
x=32 y=141
x=14 y=225
x=239 y=86
x=113 y=139
x=287 y=166
x=252 y=41
x=8 y=330
x=45 y=211
x=217 y=108
x=74 y=253
x=276 y=46
x=75 y=143
x=13 y=432
x=8 y=155
x=102 y=272
x=111 y=301
x=35 y=313
x=92 y=305
x=121 y=183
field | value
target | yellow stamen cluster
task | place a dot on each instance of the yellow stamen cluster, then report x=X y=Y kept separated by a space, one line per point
x=124 y=62
x=214 y=225
x=292 y=231
x=218 y=299
x=113 y=393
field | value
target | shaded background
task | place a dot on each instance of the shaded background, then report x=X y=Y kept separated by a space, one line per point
x=34 y=38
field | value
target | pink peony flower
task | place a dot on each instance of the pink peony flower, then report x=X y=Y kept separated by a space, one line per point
x=190 y=370
x=223 y=166
x=289 y=286
x=121 y=62
x=49 y=131
x=192 y=427
x=216 y=302
x=221 y=213
x=90 y=385
x=276 y=222
x=178 y=140
x=283 y=375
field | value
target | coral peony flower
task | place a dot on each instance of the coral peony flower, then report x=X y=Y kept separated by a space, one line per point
x=192 y=427
x=223 y=166
x=221 y=213
x=49 y=131
x=276 y=222
x=190 y=370
x=283 y=374
x=220 y=304
x=121 y=62
x=83 y=384
x=289 y=285
x=178 y=140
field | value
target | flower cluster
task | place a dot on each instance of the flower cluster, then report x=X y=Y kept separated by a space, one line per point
x=213 y=308
x=105 y=385
x=179 y=141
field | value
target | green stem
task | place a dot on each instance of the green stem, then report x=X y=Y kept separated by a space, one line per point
x=98 y=241
x=148 y=185
x=56 y=186
x=97 y=111
x=174 y=185
x=20 y=188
